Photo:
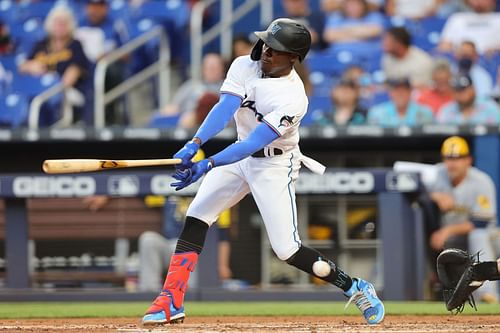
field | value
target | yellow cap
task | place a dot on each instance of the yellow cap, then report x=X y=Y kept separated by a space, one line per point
x=455 y=146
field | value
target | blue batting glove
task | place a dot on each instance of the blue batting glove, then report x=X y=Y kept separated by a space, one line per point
x=191 y=175
x=186 y=154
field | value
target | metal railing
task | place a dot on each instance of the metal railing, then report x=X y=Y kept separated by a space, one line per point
x=228 y=17
x=37 y=102
x=160 y=67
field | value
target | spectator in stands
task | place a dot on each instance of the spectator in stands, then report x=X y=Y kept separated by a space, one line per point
x=367 y=88
x=467 y=62
x=6 y=45
x=400 y=110
x=467 y=108
x=329 y=6
x=480 y=26
x=346 y=108
x=242 y=45
x=187 y=96
x=99 y=35
x=466 y=200
x=401 y=59
x=62 y=54
x=355 y=29
x=193 y=120
x=301 y=11
x=421 y=9
x=440 y=92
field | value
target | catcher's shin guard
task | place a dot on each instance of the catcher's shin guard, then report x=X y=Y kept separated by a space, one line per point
x=171 y=298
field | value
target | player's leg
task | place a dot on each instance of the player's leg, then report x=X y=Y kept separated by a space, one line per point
x=274 y=192
x=222 y=188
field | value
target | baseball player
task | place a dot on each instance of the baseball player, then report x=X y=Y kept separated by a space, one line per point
x=466 y=198
x=266 y=97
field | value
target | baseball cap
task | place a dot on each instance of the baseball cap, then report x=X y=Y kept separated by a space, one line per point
x=455 y=146
x=461 y=82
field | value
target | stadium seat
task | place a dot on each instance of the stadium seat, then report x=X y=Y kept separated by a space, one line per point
x=39 y=9
x=33 y=85
x=119 y=9
x=9 y=62
x=13 y=110
x=318 y=108
x=176 y=11
x=322 y=83
x=8 y=11
x=26 y=33
x=162 y=121
x=491 y=63
x=425 y=33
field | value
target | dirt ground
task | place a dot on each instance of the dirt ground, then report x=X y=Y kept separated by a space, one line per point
x=403 y=324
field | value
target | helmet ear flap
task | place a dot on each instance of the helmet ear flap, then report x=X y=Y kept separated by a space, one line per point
x=257 y=50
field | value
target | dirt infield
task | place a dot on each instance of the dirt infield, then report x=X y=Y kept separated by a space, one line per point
x=403 y=324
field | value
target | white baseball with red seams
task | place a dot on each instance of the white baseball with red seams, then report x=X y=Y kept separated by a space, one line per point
x=321 y=268
x=281 y=103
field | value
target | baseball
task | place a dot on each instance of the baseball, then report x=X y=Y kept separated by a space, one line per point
x=321 y=268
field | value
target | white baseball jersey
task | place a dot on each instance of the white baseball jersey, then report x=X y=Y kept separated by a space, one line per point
x=280 y=103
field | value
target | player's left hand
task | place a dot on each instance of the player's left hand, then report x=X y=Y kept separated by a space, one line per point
x=186 y=154
x=191 y=175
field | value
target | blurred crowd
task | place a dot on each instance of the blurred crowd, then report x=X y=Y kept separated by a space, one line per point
x=384 y=63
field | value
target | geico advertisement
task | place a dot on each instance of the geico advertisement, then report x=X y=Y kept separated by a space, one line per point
x=64 y=186
x=336 y=182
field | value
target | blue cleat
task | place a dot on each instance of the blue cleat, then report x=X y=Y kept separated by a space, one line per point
x=364 y=296
x=160 y=317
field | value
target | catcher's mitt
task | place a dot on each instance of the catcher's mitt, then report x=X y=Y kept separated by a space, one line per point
x=459 y=278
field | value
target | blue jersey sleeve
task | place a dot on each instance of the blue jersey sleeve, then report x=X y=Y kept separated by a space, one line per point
x=258 y=139
x=218 y=118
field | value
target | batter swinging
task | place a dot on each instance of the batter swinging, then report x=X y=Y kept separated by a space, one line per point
x=267 y=99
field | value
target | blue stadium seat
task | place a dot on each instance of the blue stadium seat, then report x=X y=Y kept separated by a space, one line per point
x=13 y=110
x=8 y=11
x=491 y=64
x=319 y=106
x=9 y=63
x=332 y=64
x=279 y=11
x=39 y=9
x=322 y=83
x=425 y=33
x=33 y=85
x=162 y=121
x=176 y=11
x=119 y=9
x=26 y=33
x=173 y=15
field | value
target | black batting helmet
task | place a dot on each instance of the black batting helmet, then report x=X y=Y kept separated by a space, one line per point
x=285 y=35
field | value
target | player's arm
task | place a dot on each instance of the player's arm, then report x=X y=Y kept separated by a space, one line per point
x=216 y=120
x=258 y=139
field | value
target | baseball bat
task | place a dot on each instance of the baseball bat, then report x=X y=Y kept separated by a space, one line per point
x=88 y=165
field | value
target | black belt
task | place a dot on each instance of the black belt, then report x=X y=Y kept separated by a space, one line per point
x=270 y=152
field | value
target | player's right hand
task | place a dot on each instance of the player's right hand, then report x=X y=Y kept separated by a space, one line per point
x=186 y=154
x=189 y=176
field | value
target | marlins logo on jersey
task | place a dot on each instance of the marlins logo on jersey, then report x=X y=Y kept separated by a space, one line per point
x=287 y=121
